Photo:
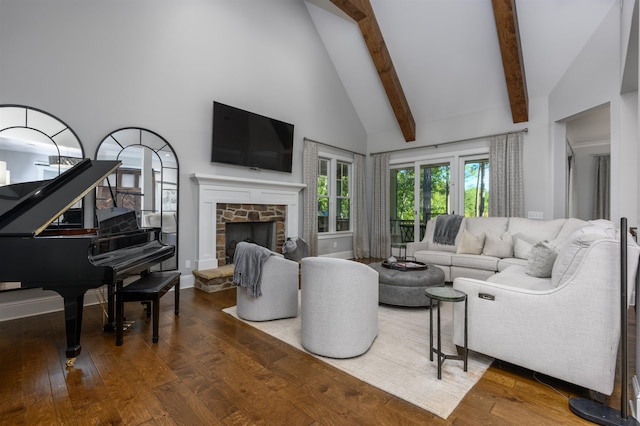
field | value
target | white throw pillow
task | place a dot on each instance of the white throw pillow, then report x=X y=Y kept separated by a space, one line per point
x=521 y=248
x=541 y=260
x=470 y=244
x=498 y=245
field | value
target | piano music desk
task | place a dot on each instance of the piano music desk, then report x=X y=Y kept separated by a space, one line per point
x=149 y=288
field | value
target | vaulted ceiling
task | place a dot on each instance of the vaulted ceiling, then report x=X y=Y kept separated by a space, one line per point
x=446 y=54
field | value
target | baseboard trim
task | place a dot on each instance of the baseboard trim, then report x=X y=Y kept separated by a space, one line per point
x=38 y=305
x=23 y=303
x=339 y=255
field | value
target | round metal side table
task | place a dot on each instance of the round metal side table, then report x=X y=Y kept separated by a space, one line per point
x=437 y=295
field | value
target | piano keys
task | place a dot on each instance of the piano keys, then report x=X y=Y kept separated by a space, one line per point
x=69 y=262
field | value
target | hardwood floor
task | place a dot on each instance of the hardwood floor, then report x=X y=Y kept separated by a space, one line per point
x=208 y=368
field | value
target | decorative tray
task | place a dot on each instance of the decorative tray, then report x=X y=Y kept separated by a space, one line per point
x=405 y=265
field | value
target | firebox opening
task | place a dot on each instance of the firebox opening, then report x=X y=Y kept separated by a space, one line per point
x=261 y=233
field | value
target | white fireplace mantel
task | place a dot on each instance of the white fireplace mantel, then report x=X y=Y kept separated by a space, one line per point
x=214 y=189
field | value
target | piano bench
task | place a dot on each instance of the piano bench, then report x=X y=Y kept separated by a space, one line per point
x=149 y=288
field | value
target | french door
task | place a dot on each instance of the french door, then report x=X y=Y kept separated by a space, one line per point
x=419 y=192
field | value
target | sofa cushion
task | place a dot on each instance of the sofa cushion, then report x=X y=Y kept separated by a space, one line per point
x=470 y=244
x=478 y=225
x=608 y=227
x=488 y=263
x=515 y=276
x=569 y=227
x=532 y=230
x=541 y=259
x=521 y=247
x=476 y=274
x=434 y=257
x=575 y=248
x=498 y=245
x=510 y=261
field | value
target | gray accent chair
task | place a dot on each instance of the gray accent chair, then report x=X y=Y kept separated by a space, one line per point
x=338 y=307
x=279 y=285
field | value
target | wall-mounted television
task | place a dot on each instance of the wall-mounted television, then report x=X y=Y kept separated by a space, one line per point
x=247 y=139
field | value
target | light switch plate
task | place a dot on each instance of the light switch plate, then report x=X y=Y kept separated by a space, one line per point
x=535 y=215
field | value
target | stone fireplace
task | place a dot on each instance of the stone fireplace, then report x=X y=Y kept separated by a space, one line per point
x=263 y=224
x=224 y=199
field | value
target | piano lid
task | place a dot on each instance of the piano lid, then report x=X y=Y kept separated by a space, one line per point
x=26 y=209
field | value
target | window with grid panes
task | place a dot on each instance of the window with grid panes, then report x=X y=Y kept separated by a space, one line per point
x=343 y=200
x=323 y=195
x=334 y=195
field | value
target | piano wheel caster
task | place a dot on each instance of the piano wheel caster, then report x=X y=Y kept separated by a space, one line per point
x=70 y=362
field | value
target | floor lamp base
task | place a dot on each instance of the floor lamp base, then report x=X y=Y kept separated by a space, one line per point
x=599 y=413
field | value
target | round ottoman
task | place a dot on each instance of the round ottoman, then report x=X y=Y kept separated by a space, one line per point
x=406 y=288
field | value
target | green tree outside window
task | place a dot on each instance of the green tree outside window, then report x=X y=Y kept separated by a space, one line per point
x=334 y=186
x=476 y=188
x=323 y=195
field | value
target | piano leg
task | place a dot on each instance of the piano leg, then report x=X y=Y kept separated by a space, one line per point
x=73 y=304
x=110 y=324
x=119 y=316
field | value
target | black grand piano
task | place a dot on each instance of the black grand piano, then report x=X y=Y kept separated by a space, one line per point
x=69 y=261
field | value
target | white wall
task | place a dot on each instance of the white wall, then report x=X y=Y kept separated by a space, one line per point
x=627 y=177
x=593 y=79
x=160 y=64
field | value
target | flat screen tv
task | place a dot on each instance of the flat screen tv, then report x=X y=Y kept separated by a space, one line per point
x=247 y=139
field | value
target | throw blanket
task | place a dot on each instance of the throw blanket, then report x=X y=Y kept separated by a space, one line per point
x=247 y=266
x=446 y=229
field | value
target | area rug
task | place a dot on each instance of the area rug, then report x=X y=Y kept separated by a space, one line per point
x=398 y=361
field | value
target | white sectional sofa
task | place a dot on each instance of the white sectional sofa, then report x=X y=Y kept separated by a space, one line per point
x=553 y=306
x=457 y=262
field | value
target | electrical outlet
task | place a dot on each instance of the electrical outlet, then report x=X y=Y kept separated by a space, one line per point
x=187 y=264
x=535 y=215
x=335 y=244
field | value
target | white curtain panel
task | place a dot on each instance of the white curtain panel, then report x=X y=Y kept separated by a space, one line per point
x=602 y=188
x=310 y=196
x=359 y=209
x=506 y=195
x=380 y=227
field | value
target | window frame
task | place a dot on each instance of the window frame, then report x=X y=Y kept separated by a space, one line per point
x=463 y=159
x=449 y=161
x=333 y=160
x=456 y=160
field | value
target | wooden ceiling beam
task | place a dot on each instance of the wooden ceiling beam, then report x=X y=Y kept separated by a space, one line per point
x=506 y=17
x=362 y=12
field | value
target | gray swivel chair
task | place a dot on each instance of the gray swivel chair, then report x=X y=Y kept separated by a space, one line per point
x=279 y=285
x=339 y=307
